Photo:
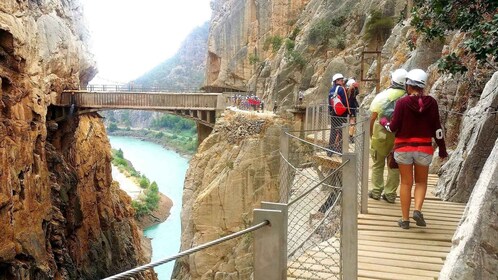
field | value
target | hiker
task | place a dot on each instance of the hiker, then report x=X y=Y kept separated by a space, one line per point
x=275 y=107
x=338 y=110
x=382 y=141
x=73 y=104
x=352 y=91
x=415 y=121
x=300 y=98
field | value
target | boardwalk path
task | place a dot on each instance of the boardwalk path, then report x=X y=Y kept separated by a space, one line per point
x=386 y=251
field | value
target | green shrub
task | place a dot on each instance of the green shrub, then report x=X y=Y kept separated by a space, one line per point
x=140 y=208
x=144 y=182
x=274 y=41
x=478 y=20
x=378 y=28
x=112 y=127
x=253 y=59
x=296 y=58
x=324 y=29
x=289 y=44
x=294 y=33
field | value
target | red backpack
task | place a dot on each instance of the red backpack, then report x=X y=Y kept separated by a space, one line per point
x=336 y=103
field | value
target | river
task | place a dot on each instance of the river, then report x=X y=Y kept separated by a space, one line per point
x=168 y=169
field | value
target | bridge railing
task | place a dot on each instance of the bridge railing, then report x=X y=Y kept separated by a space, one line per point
x=134 y=88
x=129 y=100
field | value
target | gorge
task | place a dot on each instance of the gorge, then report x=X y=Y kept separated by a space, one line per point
x=62 y=219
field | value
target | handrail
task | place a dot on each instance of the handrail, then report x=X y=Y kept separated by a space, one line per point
x=189 y=251
x=318 y=184
x=313 y=144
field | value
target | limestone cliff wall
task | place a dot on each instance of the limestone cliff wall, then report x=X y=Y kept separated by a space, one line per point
x=60 y=217
x=239 y=57
x=235 y=169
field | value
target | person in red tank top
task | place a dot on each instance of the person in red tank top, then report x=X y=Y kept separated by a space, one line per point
x=415 y=122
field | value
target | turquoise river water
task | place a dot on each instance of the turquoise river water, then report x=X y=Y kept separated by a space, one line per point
x=168 y=169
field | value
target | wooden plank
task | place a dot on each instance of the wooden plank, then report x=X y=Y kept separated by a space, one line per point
x=392 y=256
x=413 y=229
x=391 y=276
x=393 y=222
x=418 y=247
x=401 y=251
x=427 y=205
x=399 y=270
x=410 y=235
x=403 y=240
x=399 y=263
x=430 y=216
x=395 y=218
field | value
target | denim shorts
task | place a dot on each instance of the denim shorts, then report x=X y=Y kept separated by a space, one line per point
x=419 y=158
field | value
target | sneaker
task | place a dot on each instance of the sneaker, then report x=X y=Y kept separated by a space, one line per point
x=384 y=197
x=371 y=195
x=403 y=224
x=419 y=218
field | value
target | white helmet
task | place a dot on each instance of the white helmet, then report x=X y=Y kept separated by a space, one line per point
x=399 y=76
x=416 y=77
x=350 y=83
x=337 y=77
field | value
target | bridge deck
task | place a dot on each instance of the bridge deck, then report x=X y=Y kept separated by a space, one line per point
x=385 y=251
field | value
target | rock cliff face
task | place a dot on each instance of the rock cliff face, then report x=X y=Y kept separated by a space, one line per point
x=60 y=216
x=270 y=48
x=235 y=169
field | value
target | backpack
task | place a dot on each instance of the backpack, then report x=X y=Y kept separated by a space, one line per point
x=336 y=103
x=388 y=109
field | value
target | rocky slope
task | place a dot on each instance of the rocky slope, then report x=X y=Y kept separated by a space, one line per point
x=276 y=49
x=60 y=217
x=235 y=169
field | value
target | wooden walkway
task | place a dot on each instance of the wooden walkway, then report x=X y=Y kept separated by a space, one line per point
x=385 y=251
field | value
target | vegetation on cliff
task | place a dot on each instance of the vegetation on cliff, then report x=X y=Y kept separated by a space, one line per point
x=149 y=199
x=479 y=20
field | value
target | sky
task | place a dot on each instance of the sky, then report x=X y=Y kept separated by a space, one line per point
x=130 y=37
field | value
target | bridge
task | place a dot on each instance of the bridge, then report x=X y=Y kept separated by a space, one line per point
x=201 y=107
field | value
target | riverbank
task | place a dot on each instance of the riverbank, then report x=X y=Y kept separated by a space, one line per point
x=139 y=134
x=157 y=216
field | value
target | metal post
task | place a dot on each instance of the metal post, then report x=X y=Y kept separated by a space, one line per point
x=285 y=211
x=268 y=242
x=313 y=122
x=284 y=176
x=349 y=229
x=365 y=167
x=345 y=137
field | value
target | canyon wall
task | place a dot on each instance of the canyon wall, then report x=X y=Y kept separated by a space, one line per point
x=274 y=49
x=61 y=217
x=235 y=169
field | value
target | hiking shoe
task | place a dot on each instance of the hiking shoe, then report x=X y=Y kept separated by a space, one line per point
x=371 y=195
x=403 y=224
x=419 y=218
x=384 y=197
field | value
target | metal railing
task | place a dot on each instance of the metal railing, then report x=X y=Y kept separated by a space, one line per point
x=134 y=88
x=267 y=229
x=318 y=169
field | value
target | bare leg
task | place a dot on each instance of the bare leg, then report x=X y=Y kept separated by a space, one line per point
x=405 y=192
x=421 y=174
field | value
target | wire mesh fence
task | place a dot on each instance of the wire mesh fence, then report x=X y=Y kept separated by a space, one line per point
x=312 y=184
